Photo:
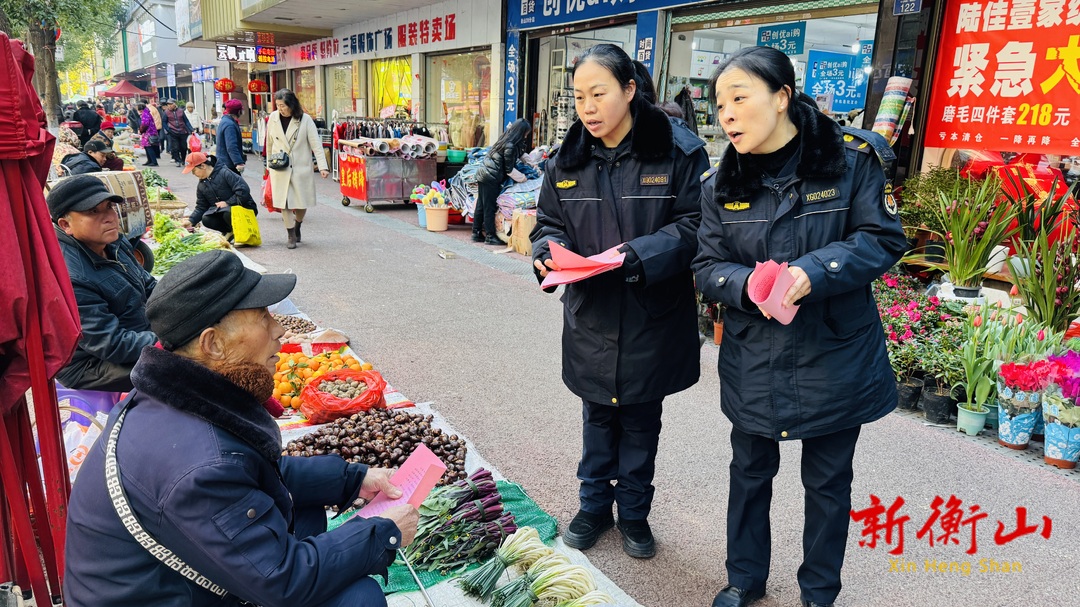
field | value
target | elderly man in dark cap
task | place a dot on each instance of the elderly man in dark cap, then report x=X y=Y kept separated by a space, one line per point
x=110 y=287
x=211 y=513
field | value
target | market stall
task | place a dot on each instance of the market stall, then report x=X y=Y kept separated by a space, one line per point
x=382 y=159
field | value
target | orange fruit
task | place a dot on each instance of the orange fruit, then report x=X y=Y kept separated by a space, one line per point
x=367 y=366
x=285 y=387
x=286 y=400
x=355 y=367
x=307 y=373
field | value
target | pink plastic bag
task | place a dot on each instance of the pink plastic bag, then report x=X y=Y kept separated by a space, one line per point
x=194 y=143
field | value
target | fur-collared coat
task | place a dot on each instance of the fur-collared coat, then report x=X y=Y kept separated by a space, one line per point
x=296 y=184
x=200 y=462
x=828 y=370
x=627 y=342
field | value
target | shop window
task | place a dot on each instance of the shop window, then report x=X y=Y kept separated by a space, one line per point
x=392 y=87
x=458 y=94
x=339 y=88
x=306 y=89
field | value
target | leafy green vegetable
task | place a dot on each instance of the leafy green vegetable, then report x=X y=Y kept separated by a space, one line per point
x=153 y=179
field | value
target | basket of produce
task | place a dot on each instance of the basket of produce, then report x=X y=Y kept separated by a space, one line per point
x=176 y=244
x=342 y=393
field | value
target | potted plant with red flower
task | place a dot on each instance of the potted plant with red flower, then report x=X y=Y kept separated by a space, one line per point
x=1020 y=387
x=978 y=377
x=1061 y=446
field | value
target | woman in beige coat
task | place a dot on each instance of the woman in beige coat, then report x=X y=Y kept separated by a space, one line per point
x=293 y=187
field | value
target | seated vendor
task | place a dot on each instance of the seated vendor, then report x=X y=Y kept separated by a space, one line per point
x=106 y=135
x=90 y=160
x=223 y=517
x=111 y=288
x=218 y=191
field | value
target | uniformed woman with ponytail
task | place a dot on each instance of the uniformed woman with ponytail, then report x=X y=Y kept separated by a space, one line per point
x=793 y=187
x=626 y=176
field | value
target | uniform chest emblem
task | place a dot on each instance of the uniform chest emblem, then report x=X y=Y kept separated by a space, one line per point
x=736 y=206
x=821 y=195
x=566 y=184
x=655 y=179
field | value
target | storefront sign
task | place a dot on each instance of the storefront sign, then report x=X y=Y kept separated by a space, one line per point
x=906 y=7
x=646 y=38
x=513 y=58
x=786 y=38
x=235 y=52
x=528 y=14
x=1007 y=77
x=836 y=73
x=266 y=54
x=446 y=26
x=202 y=73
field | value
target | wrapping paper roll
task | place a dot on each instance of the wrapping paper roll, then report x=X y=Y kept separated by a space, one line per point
x=379 y=145
x=424 y=145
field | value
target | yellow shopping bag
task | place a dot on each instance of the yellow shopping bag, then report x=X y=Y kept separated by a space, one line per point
x=245 y=228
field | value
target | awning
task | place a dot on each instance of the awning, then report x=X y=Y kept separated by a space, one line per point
x=125 y=89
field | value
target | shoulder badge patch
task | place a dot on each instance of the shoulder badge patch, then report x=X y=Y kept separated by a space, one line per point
x=712 y=171
x=890 y=200
x=736 y=206
x=655 y=179
x=566 y=184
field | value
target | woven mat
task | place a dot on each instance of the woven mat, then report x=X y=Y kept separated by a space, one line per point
x=526 y=514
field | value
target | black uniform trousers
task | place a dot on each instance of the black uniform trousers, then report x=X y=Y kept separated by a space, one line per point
x=826 y=476
x=487 y=195
x=619 y=444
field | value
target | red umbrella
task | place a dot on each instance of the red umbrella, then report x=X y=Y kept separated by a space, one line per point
x=39 y=327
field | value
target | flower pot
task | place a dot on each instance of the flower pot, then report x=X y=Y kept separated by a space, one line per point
x=908 y=393
x=971 y=422
x=421 y=215
x=1038 y=433
x=992 y=416
x=935 y=251
x=1062 y=446
x=936 y=407
x=998 y=256
x=967 y=292
x=718 y=332
x=1016 y=416
x=1018 y=266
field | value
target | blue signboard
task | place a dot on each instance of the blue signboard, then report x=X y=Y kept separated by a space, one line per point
x=513 y=64
x=646 y=39
x=906 y=7
x=528 y=14
x=787 y=38
x=838 y=74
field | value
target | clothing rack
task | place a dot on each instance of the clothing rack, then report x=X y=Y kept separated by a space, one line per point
x=352 y=126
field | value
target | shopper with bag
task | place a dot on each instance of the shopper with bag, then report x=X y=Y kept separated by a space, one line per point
x=219 y=192
x=291 y=140
x=178 y=129
x=794 y=188
x=628 y=179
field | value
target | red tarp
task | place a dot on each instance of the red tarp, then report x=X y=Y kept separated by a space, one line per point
x=124 y=89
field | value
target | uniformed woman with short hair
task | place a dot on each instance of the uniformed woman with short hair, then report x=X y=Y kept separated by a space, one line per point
x=793 y=187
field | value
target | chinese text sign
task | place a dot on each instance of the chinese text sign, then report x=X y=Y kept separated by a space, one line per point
x=839 y=74
x=1008 y=77
x=786 y=38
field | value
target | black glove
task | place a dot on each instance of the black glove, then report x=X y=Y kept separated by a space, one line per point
x=632 y=269
x=540 y=279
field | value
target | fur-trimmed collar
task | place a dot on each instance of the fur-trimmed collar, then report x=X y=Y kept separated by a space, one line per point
x=192 y=388
x=650 y=139
x=822 y=154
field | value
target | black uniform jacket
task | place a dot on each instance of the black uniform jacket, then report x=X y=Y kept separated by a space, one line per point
x=829 y=215
x=627 y=342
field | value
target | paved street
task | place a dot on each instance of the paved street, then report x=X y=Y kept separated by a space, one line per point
x=476 y=336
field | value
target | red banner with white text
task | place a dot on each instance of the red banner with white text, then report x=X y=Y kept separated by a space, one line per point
x=1008 y=77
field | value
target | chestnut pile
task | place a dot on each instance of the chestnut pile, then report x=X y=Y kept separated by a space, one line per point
x=383 y=438
x=294 y=324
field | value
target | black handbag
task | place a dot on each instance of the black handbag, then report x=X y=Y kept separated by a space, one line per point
x=279 y=160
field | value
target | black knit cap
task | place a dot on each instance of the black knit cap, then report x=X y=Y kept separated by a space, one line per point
x=78 y=193
x=198 y=292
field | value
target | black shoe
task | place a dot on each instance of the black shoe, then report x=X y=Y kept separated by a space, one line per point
x=478 y=237
x=736 y=597
x=637 y=538
x=150 y=164
x=494 y=240
x=586 y=528
x=298 y=232
x=806 y=603
x=292 y=238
